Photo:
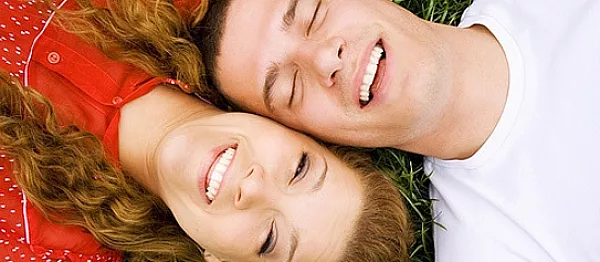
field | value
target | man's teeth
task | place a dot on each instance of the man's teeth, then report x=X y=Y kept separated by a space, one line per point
x=216 y=176
x=367 y=81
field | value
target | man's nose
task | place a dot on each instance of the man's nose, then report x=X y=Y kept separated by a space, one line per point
x=322 y=59
x=251 y=190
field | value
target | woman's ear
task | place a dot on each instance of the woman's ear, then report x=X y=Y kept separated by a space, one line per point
x=208 y=257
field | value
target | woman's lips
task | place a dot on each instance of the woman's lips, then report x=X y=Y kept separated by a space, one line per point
x=213 y=179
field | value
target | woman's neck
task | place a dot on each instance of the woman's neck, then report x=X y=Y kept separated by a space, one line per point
x=146 y=121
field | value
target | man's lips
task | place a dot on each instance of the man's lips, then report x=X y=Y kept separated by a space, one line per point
x=378 y=76
x=383 y=77
x=361 y=69
x=370 y=73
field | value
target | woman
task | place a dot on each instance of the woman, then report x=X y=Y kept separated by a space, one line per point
x=240 y=186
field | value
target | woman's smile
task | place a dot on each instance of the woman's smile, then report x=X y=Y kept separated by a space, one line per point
x=213 y=180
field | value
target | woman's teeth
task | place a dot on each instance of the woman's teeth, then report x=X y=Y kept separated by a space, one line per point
x=367 y=81
x=216 y=176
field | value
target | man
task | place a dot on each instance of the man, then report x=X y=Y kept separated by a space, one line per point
x=504 y=106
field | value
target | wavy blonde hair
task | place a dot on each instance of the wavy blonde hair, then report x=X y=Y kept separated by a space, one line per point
x=66 y=174
x=151 y=34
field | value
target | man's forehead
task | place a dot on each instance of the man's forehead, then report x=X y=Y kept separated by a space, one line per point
x=249 y=47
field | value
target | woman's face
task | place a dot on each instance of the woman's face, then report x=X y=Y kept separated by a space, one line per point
x=247 y=189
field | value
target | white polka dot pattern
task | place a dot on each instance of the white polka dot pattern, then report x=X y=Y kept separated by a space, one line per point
x=13 y=240
x=13 y=245
x=21 y=22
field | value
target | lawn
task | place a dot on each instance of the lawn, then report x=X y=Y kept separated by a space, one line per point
x=406 y=169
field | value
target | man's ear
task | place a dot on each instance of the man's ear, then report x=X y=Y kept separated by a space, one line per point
x=208 y=257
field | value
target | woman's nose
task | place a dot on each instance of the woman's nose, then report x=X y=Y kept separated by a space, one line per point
x=251 y=188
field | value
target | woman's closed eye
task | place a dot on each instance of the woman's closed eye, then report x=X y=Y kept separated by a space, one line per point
x=270 y=242
x=301 y=168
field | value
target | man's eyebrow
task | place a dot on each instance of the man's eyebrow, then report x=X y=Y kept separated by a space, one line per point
x=273 y=70
x=270 y=78
x=290 y=15
x=293 y=245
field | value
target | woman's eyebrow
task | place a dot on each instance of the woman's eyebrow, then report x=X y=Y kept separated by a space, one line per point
x=290 y=15
x=321 y=180
x=293 y=245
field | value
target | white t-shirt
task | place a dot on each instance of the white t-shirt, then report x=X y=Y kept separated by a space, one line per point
x=532 y=192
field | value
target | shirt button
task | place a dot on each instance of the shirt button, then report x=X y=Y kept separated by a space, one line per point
x=117 y=100
x=53 y=58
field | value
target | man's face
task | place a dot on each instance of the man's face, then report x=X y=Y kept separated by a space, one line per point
x=348 y=71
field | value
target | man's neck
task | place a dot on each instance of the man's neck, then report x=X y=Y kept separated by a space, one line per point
x=479 y=87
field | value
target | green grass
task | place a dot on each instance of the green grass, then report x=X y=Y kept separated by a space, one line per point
x=406 y=169
x=440 y=11
x=407 y=172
